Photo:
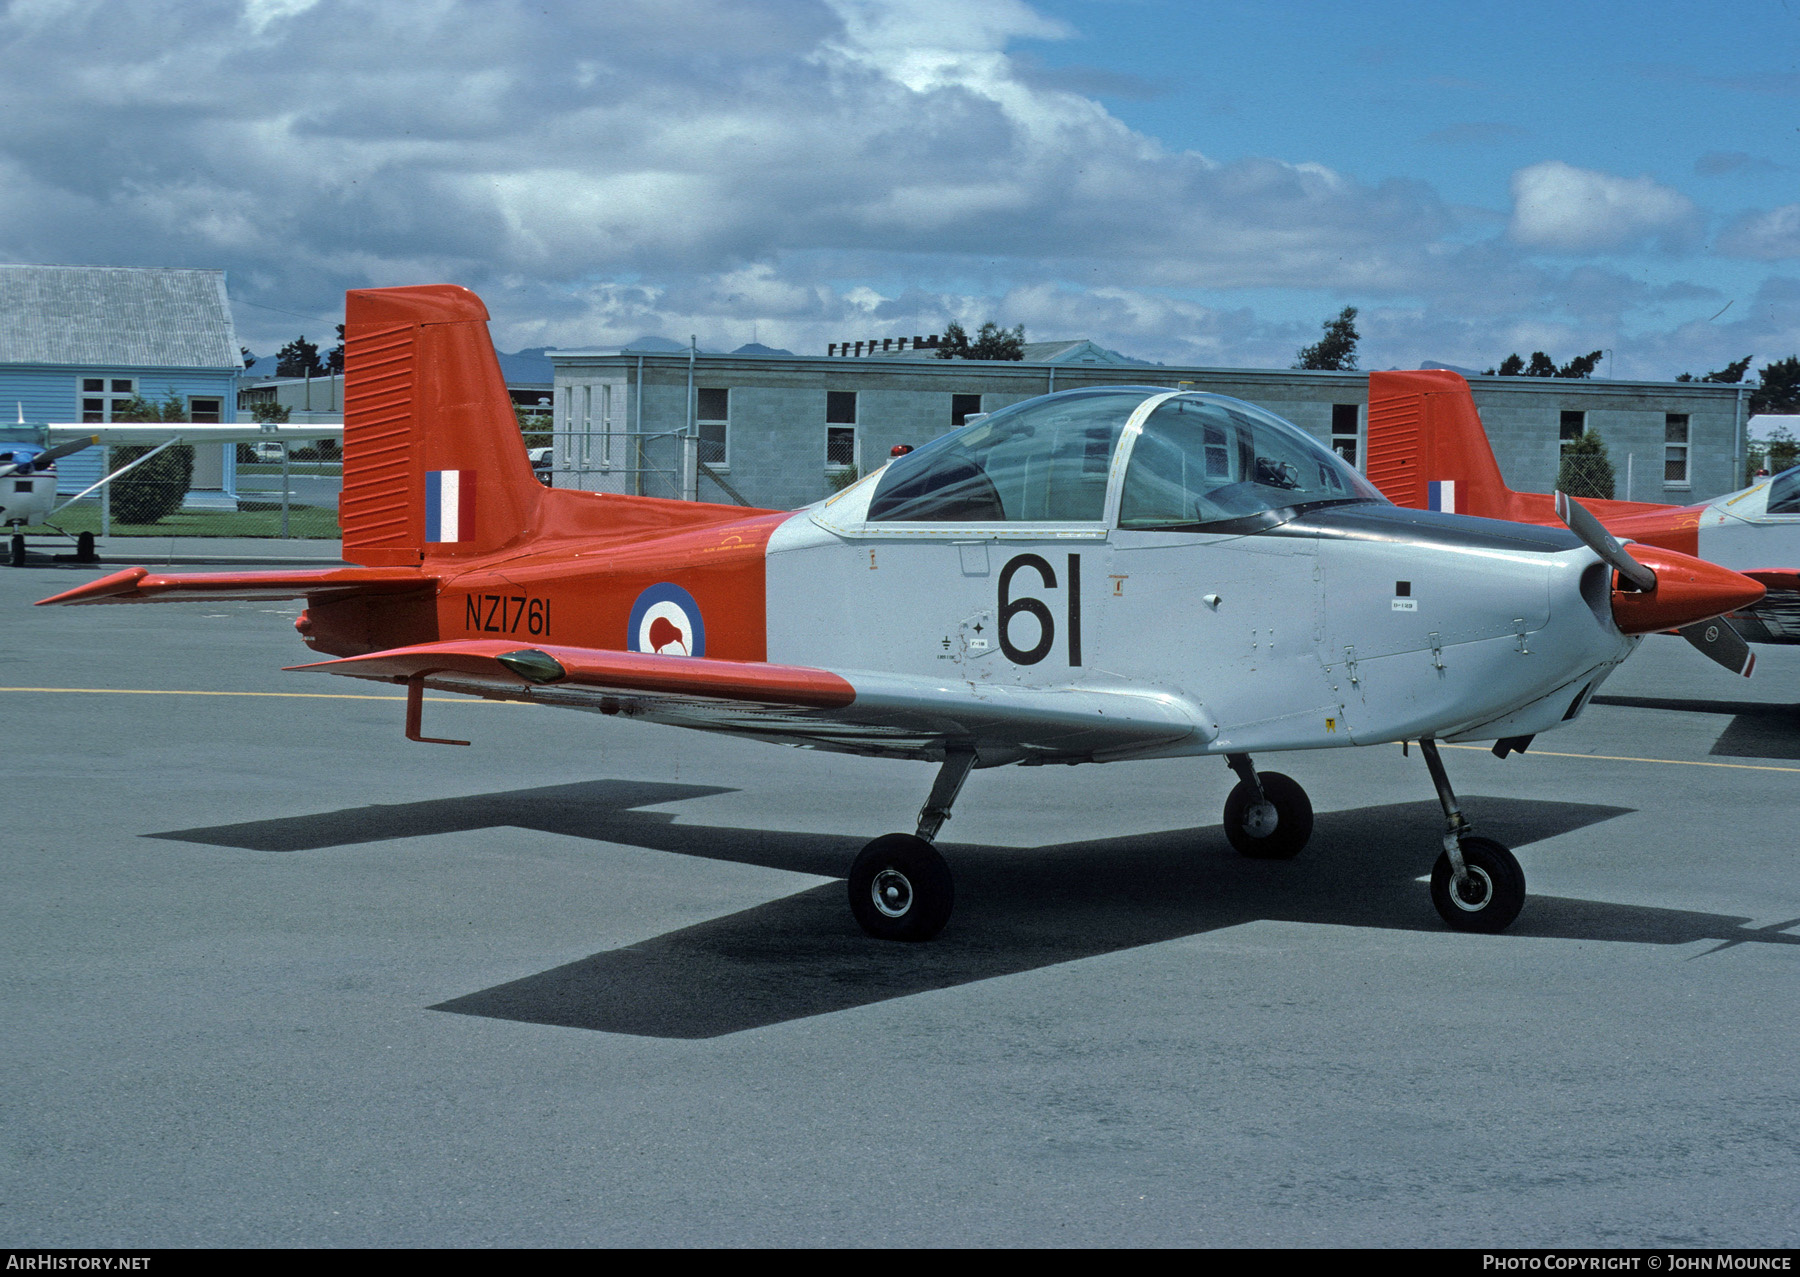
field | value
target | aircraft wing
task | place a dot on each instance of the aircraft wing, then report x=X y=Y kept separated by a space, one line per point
x=851 y=711
x=141 y=432
x=1775 y=578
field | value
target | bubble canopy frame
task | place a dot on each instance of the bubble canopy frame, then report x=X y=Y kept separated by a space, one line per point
x=1130 y=457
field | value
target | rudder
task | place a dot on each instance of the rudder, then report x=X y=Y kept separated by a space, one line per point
x=434 y=464
x=1427 y=449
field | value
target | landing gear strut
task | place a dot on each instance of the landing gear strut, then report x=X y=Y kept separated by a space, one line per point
x=18 y=550
x=1476 y=883
x=1267 y=815
x=900 y=887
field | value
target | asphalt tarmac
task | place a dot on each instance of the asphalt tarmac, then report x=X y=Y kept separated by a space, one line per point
x=274 y=976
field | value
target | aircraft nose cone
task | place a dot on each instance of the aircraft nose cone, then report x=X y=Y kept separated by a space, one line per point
x=1687 y=590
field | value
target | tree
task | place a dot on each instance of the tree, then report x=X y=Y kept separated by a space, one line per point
x=991 y=342
x=1581 y=365
x=334 y=358
x=997 y=343
x=299 y=358
x=155 y=489
x=1542 y=365
x=1335 y=351
x=1780 y=387
x=248 y=355
x=1783 y=449
x=1586 y=471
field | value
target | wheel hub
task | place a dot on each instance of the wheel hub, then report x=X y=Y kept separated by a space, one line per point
x=1260 y=819
x=1474 y=891
x=892 y=893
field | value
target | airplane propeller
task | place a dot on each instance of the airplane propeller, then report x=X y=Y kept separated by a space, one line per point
x=1603 y=543
x=49 y=455
x=1697 y=597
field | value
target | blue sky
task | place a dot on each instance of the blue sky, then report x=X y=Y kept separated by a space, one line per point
x=1191 y=183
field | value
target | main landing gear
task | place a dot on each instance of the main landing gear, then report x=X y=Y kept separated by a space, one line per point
x=1267 y=815
x=18 y=551
x=1476 y=883
x=900 y=887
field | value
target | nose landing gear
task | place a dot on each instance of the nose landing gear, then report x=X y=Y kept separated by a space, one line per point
x=1476 y=884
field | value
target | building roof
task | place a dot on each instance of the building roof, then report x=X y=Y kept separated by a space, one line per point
x=115 y=316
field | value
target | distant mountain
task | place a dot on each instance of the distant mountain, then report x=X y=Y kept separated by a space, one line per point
x=528 y=367
x=654 y=344
x=757 y=348
x=1430 y=365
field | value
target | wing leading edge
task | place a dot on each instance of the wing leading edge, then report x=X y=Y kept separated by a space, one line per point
x=850 y=711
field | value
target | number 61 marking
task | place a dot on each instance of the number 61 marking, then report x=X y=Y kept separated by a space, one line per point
x=1039 y=610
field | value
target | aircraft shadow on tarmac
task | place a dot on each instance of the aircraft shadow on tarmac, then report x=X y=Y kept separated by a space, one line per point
x=1755 y=731
x=1017 y=909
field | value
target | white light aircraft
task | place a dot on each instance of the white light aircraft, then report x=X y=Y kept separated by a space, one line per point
x=1095 y=576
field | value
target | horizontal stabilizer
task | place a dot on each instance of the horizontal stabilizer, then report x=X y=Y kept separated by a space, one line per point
x=141 y=585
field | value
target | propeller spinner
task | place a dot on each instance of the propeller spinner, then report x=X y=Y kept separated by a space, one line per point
x=1658 y=589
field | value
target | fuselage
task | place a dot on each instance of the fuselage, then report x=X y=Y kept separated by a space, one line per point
x=1259 y=582
x=27 y=494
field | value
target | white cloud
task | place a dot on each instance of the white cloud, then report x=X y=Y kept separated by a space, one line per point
x=1563 y=208
x=816 y=170
x=1766 y=236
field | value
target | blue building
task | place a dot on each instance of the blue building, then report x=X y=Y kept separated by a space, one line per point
x=76 y=341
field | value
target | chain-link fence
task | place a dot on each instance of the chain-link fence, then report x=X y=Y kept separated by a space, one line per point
x=1586 y=476
x=275 y=493
x=671 y=464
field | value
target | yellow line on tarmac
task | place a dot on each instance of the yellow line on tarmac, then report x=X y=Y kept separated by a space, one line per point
x=307 y=696
x=1621 y=758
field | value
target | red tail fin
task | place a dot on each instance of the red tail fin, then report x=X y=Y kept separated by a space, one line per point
x=434 y=464
x=1427 y=449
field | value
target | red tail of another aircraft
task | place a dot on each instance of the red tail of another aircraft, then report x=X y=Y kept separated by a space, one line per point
x=1427 y=450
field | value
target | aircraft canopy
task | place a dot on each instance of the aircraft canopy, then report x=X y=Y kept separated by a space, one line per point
x=1188 y=460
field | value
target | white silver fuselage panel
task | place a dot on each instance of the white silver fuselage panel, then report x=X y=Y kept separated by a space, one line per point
x=1323 y=631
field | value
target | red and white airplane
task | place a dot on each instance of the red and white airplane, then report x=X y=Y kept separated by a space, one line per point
x=1427 y=450
x=1094 y=576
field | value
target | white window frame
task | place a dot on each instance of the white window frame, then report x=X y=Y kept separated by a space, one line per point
x=108 y=397
x=1356 y=437
x=838 y=467
x=1682 y=451
x=724 y=464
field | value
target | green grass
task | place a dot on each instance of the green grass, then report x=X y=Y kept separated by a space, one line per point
x=304 y=522
x=332 y=468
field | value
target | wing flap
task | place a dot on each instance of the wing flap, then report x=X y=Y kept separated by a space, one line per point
x=849 y=710
x=601 y=671
x=141 y=585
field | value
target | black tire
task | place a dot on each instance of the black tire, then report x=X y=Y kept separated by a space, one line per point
x=901 y=889
x=84 y=549
x=1293 y=818
x=1499 y=888
x=18 y=551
